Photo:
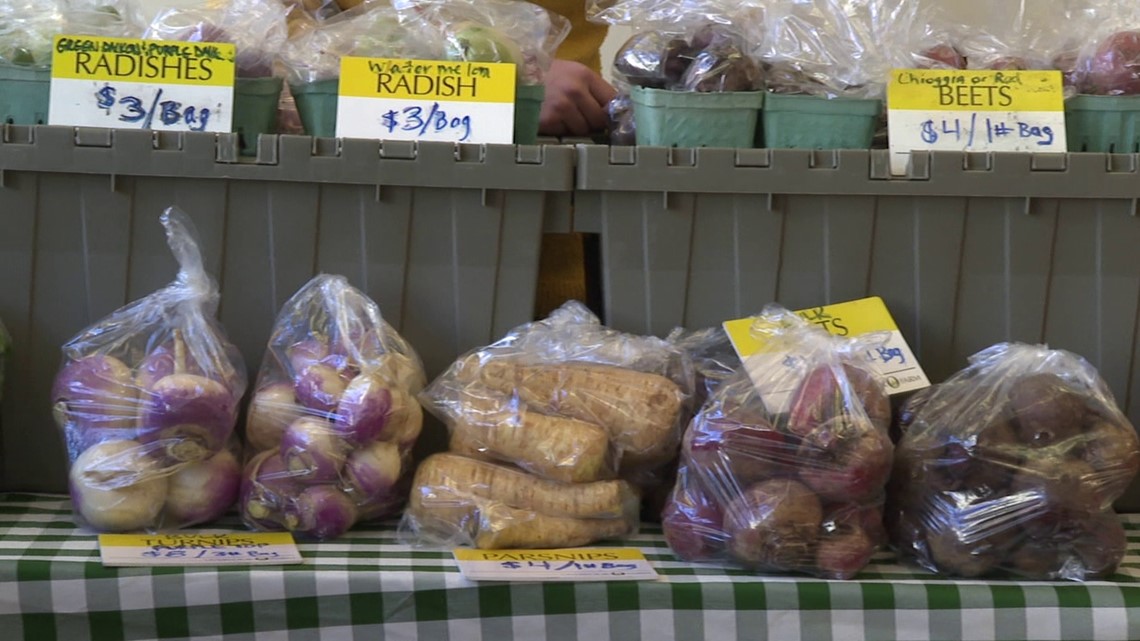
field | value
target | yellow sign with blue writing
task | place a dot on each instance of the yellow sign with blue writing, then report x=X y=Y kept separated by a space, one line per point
x=437 y=80
x=207 y=549
x=149 y=61
x=576 y=564
x=970 y=90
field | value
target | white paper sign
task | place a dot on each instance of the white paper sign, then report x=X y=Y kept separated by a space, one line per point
x=124 y=83
x=201 y=549
x=966 y=110
x=574 y=564
x=426 y=100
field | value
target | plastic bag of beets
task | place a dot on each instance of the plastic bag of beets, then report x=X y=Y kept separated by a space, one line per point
x=784 y=468
x=334 y=417
x=1013 y=464
x=147 y=399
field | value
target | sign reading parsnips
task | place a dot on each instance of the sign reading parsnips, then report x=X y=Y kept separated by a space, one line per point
x=142 y=84
x=426 y=100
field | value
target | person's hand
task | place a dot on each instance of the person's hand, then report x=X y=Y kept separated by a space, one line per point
x=576 y=99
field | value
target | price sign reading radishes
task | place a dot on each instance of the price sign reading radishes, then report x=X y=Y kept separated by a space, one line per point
x=426 y=100
x=125 y=83
x=966 y=110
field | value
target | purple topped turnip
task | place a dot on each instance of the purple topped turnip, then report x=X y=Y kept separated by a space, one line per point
x=405 y=420
x=192 y=416
x=267 y=491
x=201 y=492
x=115 y=487
x=364 y=409
x=272 y=410
x=312 y=450
x=322 y=512
x=319 y=387
x=310 y=351
x=372 y=472
x=95 y=391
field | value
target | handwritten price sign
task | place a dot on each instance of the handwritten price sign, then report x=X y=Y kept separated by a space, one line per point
x=974 y=111
x=142 y=84
x=426 y=100
x=189 y=548
x=578 y=564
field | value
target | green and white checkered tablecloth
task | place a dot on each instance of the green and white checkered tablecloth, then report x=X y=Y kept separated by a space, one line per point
x=369 y=587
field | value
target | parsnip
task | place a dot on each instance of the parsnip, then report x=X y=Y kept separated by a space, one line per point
x=562 y=449
x=505 y=527
x=639 y=410
x=445 y=479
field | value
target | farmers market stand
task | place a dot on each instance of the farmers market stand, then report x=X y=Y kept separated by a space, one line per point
x=369 y=586
x=966 y=250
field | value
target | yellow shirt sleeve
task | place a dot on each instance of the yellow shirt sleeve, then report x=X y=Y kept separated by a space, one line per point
x=585 y=40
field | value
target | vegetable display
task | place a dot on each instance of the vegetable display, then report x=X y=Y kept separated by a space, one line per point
x=584 y=417
x=333 y=420
x=257 y=28
x=1013 y=464
x=785 y=466
x=147 y=400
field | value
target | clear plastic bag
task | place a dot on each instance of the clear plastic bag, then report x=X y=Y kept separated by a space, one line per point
x=685 y=45
x=836 y=48
x=257 y=28
x=787 y=486
x=371 y=30
x=1013 y=464
x=571 y=406
x=333 y=420
x=147 y=399
x=1108 y=62
x=492 y=31
x=27 y=27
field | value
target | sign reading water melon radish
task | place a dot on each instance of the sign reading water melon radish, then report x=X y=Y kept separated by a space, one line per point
x=426 y=100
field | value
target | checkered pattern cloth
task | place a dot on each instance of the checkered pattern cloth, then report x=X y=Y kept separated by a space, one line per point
x=367 y=586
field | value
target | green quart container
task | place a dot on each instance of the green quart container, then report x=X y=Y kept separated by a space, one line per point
x=316 y=104
x=1103 y=124
x=814 y=122
x=24 y=94
x=528 y=109
x=255 y=110
x=694 y=119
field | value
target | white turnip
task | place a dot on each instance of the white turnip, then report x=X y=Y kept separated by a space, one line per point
x=201 y=492
x=272 y=409
x=116 y=488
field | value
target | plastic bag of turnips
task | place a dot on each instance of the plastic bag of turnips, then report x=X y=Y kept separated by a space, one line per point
x=785 y=470
x=834 y=48
x=147 y=399
x=333 y=420
x=492 y=31
x=1013 y=464
x=257 y=28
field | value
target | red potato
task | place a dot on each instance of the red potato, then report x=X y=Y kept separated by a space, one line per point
x=865 y=517
x=774 y=525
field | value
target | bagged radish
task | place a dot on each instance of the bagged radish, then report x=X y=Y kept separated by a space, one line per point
x=147 y=399
x=257 y=28
x=556 y=425
x=506 y=31
x=784 y=468
x=1013 y=464
x=330 y=429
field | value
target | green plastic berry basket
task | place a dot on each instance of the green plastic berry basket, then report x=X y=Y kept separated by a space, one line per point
x=316 y=104
x=255 y=110
x=1103 y=124
x=815 y=122
x=24 y=94
x=695 y=119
